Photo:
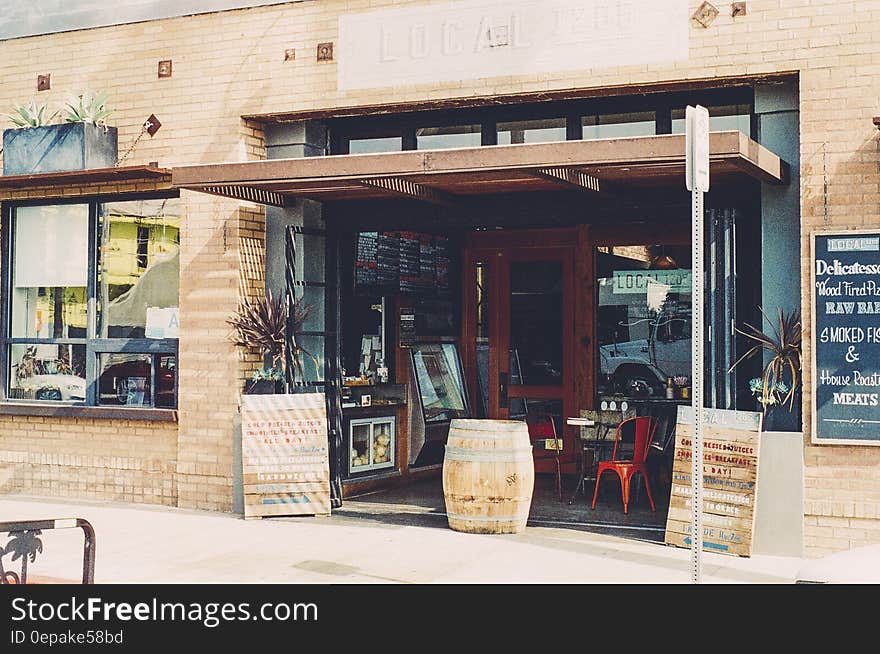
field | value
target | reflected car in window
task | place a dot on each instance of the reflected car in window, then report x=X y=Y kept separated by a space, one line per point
x=60 y=388
x=126 y=380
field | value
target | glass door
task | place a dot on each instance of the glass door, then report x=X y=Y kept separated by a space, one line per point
x=518 y=339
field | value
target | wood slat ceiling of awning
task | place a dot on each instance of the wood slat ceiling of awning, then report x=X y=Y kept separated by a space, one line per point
x=440 y=175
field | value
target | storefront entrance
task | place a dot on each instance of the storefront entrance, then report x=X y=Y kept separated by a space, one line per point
x=517 y=324
x=558 y=274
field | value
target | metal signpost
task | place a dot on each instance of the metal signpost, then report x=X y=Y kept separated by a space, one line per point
x=697 y=182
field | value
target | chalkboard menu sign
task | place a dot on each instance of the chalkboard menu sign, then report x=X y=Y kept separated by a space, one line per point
x=846 y=337
x=406 y=262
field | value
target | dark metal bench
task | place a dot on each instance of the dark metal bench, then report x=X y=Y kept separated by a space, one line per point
x=24 y=545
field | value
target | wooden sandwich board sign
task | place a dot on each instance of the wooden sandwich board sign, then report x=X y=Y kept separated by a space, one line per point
x=284 y=455
x=731 y=442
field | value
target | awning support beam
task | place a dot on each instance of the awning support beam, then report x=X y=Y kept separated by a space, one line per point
x=247 y=193
x=410 y=189
x=571 y=177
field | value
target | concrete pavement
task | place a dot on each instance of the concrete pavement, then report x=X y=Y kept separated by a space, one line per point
x=151 y=544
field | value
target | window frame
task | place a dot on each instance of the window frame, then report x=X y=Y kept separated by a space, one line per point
x=342 y=129
x=94 y=346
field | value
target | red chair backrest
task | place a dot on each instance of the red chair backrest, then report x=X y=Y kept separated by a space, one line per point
x=644 y=426
x=541 y=426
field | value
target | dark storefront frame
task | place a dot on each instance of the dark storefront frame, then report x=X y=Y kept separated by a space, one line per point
x=455 y=189
x=94 y=345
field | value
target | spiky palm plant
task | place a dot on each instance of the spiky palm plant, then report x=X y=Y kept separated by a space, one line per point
x=783 y=342
x=262 y=323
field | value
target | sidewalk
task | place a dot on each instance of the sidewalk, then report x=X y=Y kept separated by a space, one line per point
x=149 y=544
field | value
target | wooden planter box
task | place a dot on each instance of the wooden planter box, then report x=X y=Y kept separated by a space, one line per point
x=57 y=148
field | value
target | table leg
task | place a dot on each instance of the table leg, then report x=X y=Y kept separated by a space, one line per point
x=582 y=473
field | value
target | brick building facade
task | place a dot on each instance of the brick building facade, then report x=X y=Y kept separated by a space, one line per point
x=238 y=74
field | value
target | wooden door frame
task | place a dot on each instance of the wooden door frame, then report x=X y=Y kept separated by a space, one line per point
x=582 y=240
x=565 y=244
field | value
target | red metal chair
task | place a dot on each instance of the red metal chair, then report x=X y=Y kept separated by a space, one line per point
x=542 y=428
x=643 y=428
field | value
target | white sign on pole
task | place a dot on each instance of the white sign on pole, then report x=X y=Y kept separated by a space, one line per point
x=697 y=182
x=697 y=148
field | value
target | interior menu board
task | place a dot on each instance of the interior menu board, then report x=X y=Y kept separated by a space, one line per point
x=388 y=259
x=366 y=260
x=284 y=455
x=731 y=441
x=402 y=262
x=846 y=337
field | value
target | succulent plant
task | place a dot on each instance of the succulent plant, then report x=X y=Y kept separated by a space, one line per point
x=262 y=323
x=31 y=115
x=87 y=108
x=783 y=343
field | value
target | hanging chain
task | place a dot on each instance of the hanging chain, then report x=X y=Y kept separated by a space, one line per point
x=144 y=130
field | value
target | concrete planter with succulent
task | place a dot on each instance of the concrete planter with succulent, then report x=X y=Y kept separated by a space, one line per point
x=80 y=141
x=779 y=514
x=262 y=324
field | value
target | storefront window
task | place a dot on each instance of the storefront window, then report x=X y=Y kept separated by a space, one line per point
x=85 y=322
x=48 y=372
x=128 y=379
x=378 y=144
x=721 y=118
x=603 y=126
x=449 y=136
x=139 y=265
x=644 y=320
x=531 y=131
x=50 y=272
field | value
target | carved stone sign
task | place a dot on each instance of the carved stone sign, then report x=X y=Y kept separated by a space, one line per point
x=470 y=39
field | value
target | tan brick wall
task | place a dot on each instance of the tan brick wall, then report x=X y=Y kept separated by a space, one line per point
x=123 y=460
x=210 y=366
x=231 y=64
x=94 y=458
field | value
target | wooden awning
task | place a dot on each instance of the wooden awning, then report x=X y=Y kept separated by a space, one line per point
x=72 y=183
x=440 y=176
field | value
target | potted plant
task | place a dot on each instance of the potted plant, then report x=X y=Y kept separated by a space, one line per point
x=261 y=323
x=780 y=378
x=81 y=141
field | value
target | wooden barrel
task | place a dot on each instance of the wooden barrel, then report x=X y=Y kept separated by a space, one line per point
x=488 y=476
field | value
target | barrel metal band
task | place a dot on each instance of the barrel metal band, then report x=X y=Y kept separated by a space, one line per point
x=498 y=456
x=476 y=433
x=483 y=518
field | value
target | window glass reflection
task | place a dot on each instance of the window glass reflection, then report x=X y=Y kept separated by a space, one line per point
x=379 y=144
x=448 y=136
x=536 y=323
x=531 y=131
x=721 y=118
x=126 y=379
x=602 y=126
x=53 y=373
x=50 y=271
x=644 y=318
x=139 y=268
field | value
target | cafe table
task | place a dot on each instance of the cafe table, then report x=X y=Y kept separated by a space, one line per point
x=599 y=446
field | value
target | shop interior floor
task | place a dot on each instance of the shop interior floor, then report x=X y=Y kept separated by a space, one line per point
x=421 y=503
